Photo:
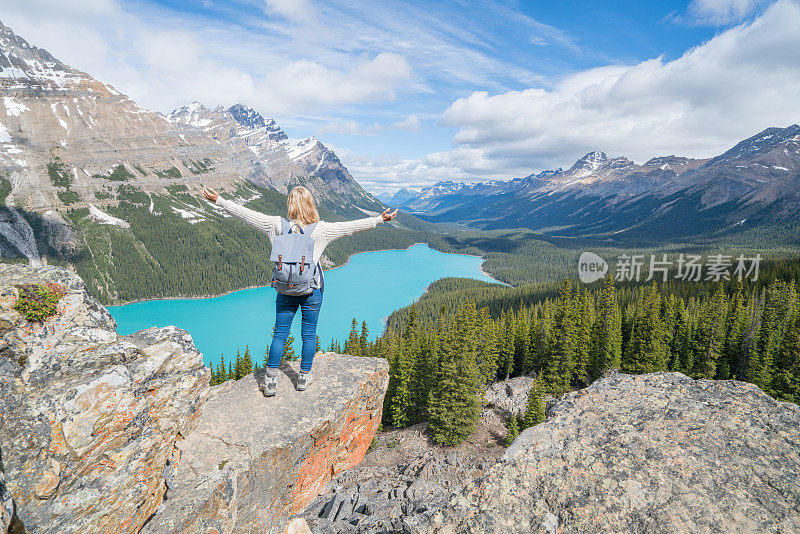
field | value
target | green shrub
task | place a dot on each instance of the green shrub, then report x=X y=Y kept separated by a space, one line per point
x=68 y=197
x=172 y=172
x=37 y=302
x=59 y=174
x=5 y=190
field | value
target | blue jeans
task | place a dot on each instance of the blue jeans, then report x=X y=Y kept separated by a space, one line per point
x=285 y=308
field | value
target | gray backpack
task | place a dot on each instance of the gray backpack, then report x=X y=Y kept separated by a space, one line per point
x=293 y=254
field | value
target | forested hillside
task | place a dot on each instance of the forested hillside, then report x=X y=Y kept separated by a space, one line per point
x=444 y=350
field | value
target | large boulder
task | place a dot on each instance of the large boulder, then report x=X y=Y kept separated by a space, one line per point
x=648 y=453
x=89 y=419
x=254 y=461
x=510 y=396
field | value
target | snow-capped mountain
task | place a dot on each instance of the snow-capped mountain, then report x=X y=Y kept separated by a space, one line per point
x=67 y=139
x=90 y=178
x=667 y=196
x=280 y=162
x=398 y=197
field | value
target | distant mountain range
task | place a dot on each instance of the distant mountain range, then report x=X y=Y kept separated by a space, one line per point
x=401 y=196
x=755 y=183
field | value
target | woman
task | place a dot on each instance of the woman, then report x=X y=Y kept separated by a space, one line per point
x=303 y=212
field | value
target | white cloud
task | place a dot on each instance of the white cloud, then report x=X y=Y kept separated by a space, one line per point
x=389 y=173
x=298 y=10
x=409 y=124
x=722 y=11
x=292 y=57
x=163 y=62
x=739 y=82
x=349 y=127
x=302 y=82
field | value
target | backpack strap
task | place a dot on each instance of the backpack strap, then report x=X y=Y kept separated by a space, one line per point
x=291 y=225
x=285 y=226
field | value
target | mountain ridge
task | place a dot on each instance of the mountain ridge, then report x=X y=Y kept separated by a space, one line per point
x=617 y=199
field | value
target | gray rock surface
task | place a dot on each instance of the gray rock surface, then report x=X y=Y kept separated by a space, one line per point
x=253 y=461
x=89 y=419
x=510 y=396
x=6 y=506
x=369 y=499
x=649 y=453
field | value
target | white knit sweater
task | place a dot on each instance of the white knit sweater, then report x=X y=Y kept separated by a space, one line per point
x=323 y=233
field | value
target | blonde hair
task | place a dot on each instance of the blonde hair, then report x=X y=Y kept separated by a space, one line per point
x=301 y=206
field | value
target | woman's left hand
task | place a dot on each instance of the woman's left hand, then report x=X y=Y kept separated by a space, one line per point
x=210 y=194
x=388 y=216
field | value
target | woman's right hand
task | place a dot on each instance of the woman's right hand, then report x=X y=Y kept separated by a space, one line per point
x=210 y=194
x=388 y=216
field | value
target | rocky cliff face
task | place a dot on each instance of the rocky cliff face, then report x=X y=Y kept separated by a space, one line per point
x=89 y=419
x=99 y=431
x=648 y=453
x=253 y=461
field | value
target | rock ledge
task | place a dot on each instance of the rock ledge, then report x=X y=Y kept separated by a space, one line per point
x=253 y=461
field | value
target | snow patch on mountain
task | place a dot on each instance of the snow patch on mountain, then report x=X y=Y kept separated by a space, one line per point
x=192 y=216
x=60 y=121
x=104 y=218
x=297 y=148
x=13 y=109
x=5 y=137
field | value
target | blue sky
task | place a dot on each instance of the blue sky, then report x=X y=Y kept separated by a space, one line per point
x=409 y=93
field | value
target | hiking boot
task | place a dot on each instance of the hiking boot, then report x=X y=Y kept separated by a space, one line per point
x=269 y=386
x=303 y=380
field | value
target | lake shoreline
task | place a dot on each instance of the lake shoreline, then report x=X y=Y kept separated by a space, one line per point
x=202 y=297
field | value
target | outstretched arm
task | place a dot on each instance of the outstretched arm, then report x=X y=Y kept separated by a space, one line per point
x=334 y=230
x=269 y=224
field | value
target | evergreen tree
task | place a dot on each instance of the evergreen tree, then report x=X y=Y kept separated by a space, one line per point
x=363 y=341
x=454 y=405
x=736 y=325
x=318 y=345
x=351 y=346
x=558 y=370
x=786 y=382
x=506 y=346
x=288 y=349
x=534 y=408
x=488 y=334
x=237 y=366
x=513 y=430
x=541 y=336
x=709 y=336
x=682 y=355
x=520 y=359
x=585 y=304
x=247 y=362
x=646 y=351
x=770 y=334
x=423 y=375
x=400 y=405
x=606 y=332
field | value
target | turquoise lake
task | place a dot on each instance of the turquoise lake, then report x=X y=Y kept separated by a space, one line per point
x=369 y=287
